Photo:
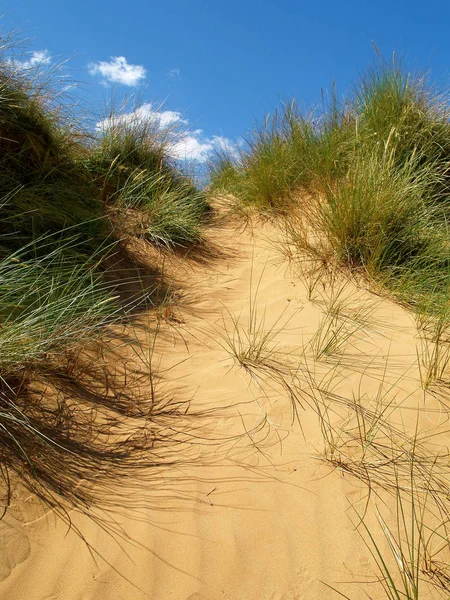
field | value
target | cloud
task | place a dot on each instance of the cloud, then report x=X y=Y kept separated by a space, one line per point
x=182 y=143
x=191 y=146
x=174 y=73
x=36 y=58
x=195 y=146
x=146 y=113
x=118 y=70
x=226 y=145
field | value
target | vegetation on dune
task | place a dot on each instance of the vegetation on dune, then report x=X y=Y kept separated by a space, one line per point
x=365 y=181
x=45 y=185
x=47 y=301
x=364 y=187
x=68 y=198
x=63 y=191
x=55 y=175
x=145 y=190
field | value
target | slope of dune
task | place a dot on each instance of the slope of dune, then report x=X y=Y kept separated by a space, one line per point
x=240 y=504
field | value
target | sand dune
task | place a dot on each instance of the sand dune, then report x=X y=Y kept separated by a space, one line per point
x=241 y=507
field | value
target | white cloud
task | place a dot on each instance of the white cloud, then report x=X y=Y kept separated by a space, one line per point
x=191 y=146
x=36 y=58
x=166 y=118
x=174 y=72
x=195 y=146
x=182 y=143
x=118 y=70
x=146 y=113
x=226 y=145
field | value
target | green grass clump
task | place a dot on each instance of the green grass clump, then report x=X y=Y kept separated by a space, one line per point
x=52 y=301
x=375 y=169
x=288 y=153
x=54 y=175
x=141 y=183
x=49 y=300
x=42 y=171
x=391 y=104
x=381 y=216
x=165 y=212
x=269 y=171
x=53 y=229
x=68 y=197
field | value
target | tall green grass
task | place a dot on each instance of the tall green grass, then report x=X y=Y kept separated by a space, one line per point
x=130 y=160
x=369 y=175
x=287 y=153
x=68 y=198
x=48 y=300
x=42 y=170
x=163 y=211
x=381 y=215
x=55 y=174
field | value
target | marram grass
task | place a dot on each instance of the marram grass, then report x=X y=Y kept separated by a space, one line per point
x=369 y=175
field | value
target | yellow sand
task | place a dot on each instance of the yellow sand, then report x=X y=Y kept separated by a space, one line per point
x=248 y=511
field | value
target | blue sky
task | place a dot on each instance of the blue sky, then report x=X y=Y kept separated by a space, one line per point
x=219 y=65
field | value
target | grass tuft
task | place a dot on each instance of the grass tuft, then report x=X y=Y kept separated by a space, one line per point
x=364 y=182
x=69 y=199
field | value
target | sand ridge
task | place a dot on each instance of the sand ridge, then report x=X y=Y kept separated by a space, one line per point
x=247 y=511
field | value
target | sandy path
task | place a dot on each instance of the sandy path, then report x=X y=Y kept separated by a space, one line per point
x=247 y=513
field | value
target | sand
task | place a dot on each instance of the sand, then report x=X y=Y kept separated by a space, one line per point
x=247 y=510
